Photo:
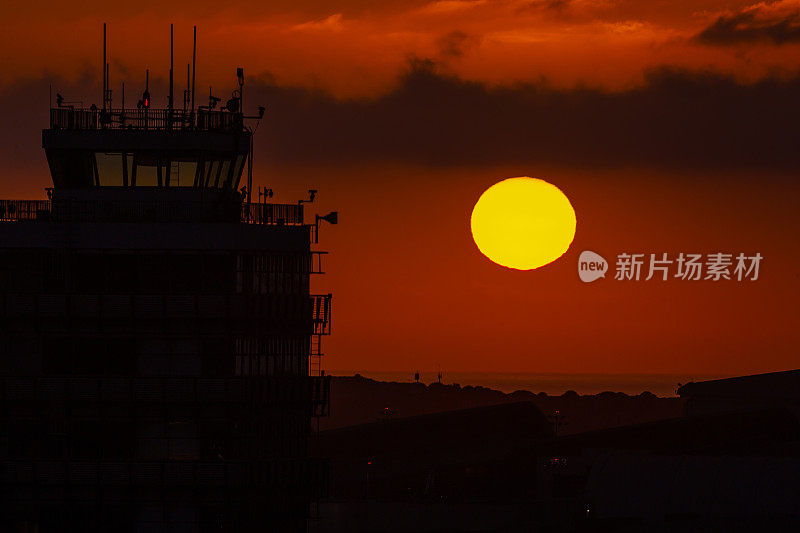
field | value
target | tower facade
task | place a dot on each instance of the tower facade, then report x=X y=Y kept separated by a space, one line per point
x=159 y=343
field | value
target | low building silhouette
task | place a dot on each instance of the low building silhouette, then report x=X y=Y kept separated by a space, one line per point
x=501 y=468
x=771 y=390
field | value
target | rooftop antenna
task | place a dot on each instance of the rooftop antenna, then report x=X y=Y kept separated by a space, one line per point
x=212 y=100
x=146 y=95
x=250 y=174
x=194 y=57
x=104 y=67
x=108 y=90
x=171 y=65
x=188 y=84
x=240 y=79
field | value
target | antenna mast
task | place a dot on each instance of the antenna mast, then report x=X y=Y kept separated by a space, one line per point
x=105 y=68
x=188 y=85
x=171 y=107
x=194 y=58
x=250 y=172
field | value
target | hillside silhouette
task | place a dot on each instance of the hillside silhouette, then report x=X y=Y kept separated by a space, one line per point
x=359 y=400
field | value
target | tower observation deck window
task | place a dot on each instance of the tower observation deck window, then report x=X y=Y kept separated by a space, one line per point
x=237 y=171
x=224 y=174
x=211 y=169
x=110 y=169
x=121 y=169
x=185 y=173
x=147 y=171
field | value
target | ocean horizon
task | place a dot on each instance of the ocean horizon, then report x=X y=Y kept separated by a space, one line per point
x=554 y=384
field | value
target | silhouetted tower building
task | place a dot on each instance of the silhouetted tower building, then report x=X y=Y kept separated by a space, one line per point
x=159 y=344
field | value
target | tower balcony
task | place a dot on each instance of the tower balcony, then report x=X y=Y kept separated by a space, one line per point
x=149 y=205
x=91 y=148
x=71 y=118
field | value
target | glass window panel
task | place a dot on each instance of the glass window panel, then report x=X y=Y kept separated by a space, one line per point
x=237 y=172
x=109 y=169
x=199 y=176
x=127 y=163
x=130 y=166
x=213 y=168
x=146 y=175
x=223 y=180
x=186 y=171
x=171 y=177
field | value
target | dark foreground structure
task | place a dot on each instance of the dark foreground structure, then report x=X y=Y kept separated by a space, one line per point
x=773 y=390
x=503 y=468
x=159 y=345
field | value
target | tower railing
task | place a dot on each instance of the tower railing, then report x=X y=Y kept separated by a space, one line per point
x=69 y=210
x=290 y=214
x=12 y=210
x=321 y=308
x=72 y=118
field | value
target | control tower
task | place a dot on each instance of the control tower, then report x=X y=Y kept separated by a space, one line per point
x=159 y=344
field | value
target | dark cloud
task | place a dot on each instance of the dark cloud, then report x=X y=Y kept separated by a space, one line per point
x=25 y=113
x=752 y=25
x=677 y=119
x=551 y=7
x=556 y=5
x=180 y=9
x=455 y=44
x=545 y=5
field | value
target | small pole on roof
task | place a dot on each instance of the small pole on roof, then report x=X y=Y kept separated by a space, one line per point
x=171 y=66
x=146 y=95
x=188 y=85
x=194 y=63
x=108 y=84
x=104 y=66
x=250 y=172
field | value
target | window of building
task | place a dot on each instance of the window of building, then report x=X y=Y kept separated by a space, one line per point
x=186 y=172
x=143 y=169
x=237 y=171
x=212 y=172
x=147 y=171
x=109 y=169
x=224 y=174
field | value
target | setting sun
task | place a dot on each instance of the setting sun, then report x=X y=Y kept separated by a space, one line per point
x=523 y=223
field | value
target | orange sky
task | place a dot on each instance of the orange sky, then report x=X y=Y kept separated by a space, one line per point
x=412 y=291
x=697 y=157
x=356 y=47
